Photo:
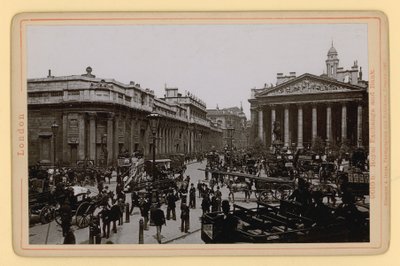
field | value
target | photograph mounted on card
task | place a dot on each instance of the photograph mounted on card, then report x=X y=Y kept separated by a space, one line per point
x=245 y=133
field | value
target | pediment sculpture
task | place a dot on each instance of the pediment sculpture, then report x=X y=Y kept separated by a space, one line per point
x=306 y=86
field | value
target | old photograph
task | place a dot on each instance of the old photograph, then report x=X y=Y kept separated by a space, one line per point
x=166 y=131
x=198 y=134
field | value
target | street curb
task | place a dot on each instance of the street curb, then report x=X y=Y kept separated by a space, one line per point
x=182 y=236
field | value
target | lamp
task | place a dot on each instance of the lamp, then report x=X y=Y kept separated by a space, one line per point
x=54 y=129
x=154 y=120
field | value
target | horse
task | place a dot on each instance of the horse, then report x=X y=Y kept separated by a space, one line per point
x=110 y=215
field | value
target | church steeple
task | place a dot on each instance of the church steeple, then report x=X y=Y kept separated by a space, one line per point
x=332 y=62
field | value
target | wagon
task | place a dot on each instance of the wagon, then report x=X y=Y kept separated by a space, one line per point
x=267 y=189
x=82 y=206
x=281 y=224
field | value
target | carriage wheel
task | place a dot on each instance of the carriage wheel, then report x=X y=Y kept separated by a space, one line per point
x=46 y=215
x=283 y=192
x=83 y=215
x=265 y=196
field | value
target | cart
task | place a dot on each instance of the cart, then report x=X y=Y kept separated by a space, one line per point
x=281 y=224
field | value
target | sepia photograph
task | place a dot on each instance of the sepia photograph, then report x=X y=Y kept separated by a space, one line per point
x=198 y=133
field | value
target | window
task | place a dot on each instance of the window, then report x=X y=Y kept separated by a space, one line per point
x=74 y=92
x=56 y=93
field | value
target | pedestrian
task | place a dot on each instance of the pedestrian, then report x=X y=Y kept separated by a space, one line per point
x=185 y=217
x=199 y=188
x=66 y=217
x=159 y=221
x=94 y=231
x=205 y=204
x=144 y=211
x=134 y=201
x=183 y=192
x=192 y=197
x=171 y=206
x=229 y=225
x=214 y=204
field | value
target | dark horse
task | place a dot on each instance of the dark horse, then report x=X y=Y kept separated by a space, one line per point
x=110 y=215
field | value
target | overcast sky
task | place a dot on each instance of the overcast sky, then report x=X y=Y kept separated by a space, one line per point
x=218 y=63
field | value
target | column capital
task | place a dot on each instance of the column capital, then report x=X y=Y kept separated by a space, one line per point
x=299 y=105
x=110 y=115
x=272 y=106
x=92 y=115
x=286 y=105
x=260 y=108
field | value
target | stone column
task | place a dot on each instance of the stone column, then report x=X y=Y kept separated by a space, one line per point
x=65 y=147
x=329 y=122
x=359 y=125
x=344 y=121
x=82 y=144
x=133 y=134
x=286 y=126
x=261 y=124
x=273 y=119
x=92 y=136
x=314 y=129
x=299 y=127
x=116 y=137
x=110 y=137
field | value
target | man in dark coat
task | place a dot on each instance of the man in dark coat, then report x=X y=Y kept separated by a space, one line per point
x=185 y=215
x=192 y=197
x=171 y=205
x=205 y=204
x=229 y=225
x=134 y=201
x=66 y=217
x=144 y=211
x=159 y=221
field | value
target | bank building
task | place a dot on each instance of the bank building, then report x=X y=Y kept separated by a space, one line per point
x=98 y=119
x=332 y=106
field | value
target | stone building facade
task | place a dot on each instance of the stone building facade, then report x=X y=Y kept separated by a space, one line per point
x=231 y=118
x=332 y=106
x=100 y=118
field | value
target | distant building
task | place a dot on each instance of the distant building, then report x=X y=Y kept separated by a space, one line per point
x=332 y=106
x=100 y=118
x=233 y=119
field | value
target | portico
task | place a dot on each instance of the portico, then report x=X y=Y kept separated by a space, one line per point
x=311 y=106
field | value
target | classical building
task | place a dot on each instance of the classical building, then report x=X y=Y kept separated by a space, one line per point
x=332 y=106
x=233 y=123
x=100 y=118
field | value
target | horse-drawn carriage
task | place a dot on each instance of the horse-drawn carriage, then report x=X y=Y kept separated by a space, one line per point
x=283 y=224
x=266 y=189
x=82 y=205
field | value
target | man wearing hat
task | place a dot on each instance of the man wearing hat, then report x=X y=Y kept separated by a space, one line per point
x=192 y=197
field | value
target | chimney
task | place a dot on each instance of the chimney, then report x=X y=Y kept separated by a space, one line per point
x=292 y=74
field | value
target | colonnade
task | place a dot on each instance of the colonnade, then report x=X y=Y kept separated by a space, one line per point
x=314 y=122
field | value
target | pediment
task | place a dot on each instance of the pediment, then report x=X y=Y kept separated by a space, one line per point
x=308 y=84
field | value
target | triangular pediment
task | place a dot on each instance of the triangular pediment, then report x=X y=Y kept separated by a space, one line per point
x=308 y=84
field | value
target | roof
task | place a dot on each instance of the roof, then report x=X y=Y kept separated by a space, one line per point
x=332 y=50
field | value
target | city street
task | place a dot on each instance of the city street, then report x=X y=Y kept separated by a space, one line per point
x=128 y=233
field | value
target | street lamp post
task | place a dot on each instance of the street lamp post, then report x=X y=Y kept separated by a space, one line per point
x=154 y=119
x=54 y=129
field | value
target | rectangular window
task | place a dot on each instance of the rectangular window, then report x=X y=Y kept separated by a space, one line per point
x=56 y=93
x=74 y=92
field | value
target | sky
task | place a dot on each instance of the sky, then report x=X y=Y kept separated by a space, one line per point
x=220 y=64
